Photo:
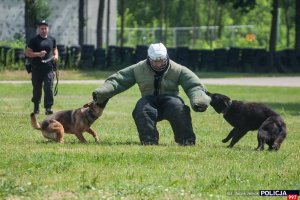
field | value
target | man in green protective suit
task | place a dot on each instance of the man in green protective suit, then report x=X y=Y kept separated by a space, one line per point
x=158 y=78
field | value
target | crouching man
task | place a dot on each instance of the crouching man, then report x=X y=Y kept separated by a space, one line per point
x=158 y=78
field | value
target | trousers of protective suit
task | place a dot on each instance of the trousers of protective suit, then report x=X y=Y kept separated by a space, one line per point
x=151 y=109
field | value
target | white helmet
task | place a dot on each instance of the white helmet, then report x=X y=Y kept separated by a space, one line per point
x=157 y=51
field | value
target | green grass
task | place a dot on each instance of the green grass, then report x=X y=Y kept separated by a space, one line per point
x=120 y=168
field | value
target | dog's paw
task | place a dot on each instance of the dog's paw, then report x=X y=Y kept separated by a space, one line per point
x=61 y=141
x=275 y=147
x=224 y=141
x=259 y=149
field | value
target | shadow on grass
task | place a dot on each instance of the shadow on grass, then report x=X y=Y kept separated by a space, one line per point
x=102 y=143
x=112 y=143
x=242 y=148
x=129 y=143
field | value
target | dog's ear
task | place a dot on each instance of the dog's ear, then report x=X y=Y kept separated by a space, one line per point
x=87 y=104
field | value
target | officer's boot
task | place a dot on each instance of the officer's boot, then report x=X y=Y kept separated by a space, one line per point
x=48 y=111
x=36 y=108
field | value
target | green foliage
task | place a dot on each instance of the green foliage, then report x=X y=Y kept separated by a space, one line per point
x=39 y=9
x=195 y=13
x=19 y=43
x=244 y=6
x=120 y=168
x=7 y=59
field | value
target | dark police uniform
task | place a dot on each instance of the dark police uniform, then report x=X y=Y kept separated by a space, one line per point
x=42 y=72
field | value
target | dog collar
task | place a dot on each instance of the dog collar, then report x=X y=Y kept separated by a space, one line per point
x=90 y=116
x=228 y=105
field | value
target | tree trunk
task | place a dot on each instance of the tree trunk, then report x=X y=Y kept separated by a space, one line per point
x=194 y=11
x=273 y=34
x=107 y=23
x=100 y=24
x=218 y=20
x=81 y=21
x=166 y=22
x=30 y=29
x=297 y=25
x=161 y=21
x=287 y=22
x=122 y=22
x=208 y=31
x=178 y=17
x=179 y=12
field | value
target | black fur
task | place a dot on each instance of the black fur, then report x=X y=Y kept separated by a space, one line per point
x=246 y=117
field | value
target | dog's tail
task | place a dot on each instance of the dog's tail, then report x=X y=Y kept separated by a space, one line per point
x=275 y=126
x=282 y=133
x=34 y=122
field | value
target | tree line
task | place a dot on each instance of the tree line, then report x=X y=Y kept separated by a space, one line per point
x=272 y=18
x=264 y=14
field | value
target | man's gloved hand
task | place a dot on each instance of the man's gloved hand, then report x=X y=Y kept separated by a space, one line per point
x=200 y=108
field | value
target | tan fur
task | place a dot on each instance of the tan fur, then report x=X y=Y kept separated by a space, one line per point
x=69 y=121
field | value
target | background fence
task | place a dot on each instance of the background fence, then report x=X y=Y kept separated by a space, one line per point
x=115 y=58
x=207 y=37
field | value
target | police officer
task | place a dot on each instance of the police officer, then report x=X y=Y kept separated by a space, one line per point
x=41 y=48
x=158 y=78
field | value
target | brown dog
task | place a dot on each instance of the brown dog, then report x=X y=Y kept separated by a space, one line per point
x=246 y=116
x=70 y=121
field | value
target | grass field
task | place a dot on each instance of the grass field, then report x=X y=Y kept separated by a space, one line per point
x=120 y=168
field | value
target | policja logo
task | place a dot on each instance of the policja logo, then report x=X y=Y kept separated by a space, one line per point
x=278 y=192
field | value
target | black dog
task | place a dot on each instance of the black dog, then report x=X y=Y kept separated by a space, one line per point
x=246 y=117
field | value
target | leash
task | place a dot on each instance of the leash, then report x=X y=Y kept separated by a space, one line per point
x=56 y=75
x=48 y=60
x=56 y=72
x=56 y=85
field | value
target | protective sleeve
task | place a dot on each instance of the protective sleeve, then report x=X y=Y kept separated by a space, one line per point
x=115 y=84
x=194 y=89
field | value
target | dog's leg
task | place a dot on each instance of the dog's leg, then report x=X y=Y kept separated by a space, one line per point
x=239 y=134
x=282 y=134
x=80 y=137
x=277 y=143
x=261 y=141
x=94 y=134
x=230 y=135
x=55 y=131
x=269 y=133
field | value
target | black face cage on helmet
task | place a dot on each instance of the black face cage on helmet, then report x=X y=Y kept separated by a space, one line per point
x=162 y=68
